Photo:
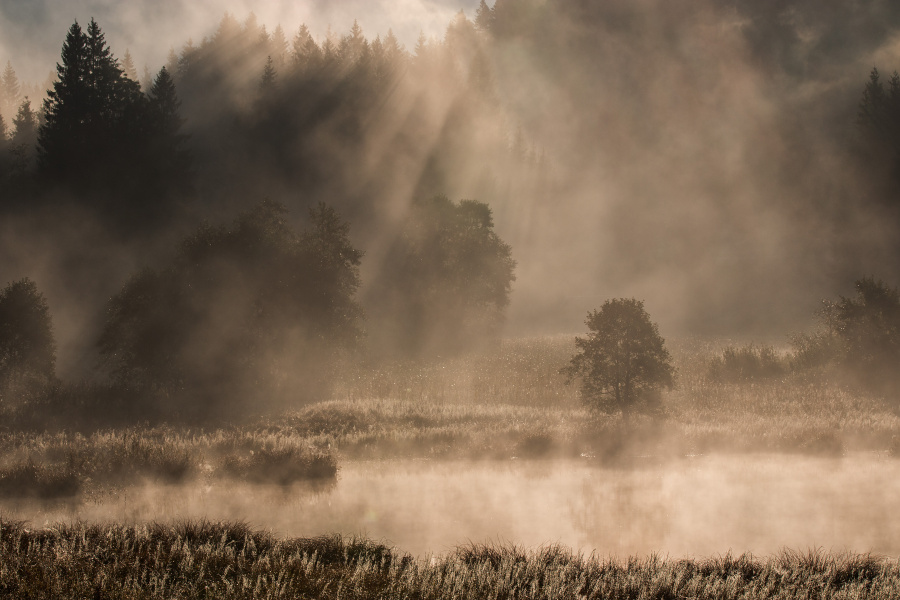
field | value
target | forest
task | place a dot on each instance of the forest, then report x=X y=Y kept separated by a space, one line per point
x=287 y=255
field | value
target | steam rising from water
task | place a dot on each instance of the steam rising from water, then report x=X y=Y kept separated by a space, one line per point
x=695 y=507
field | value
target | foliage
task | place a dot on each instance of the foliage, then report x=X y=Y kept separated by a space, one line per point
x=27 y=347
x=623 y=360
x=241 y=312
x=446 y=281
x=861 y=334
x=747 y=363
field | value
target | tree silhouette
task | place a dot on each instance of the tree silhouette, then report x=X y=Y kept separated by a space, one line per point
x=623 y=360
x=23 y=140
x=249 y=311
x=27 y=347
x=446 y=281
x=91 y=115
x=10 y=90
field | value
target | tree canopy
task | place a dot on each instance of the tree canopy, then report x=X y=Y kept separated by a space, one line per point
x=27 y=346
x=247 y=311
x=622 y=362
x=445 y=282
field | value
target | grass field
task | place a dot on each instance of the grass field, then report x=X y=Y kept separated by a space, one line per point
x=509 y=402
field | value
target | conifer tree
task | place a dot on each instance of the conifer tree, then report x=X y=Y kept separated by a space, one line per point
x=169 y=160
x=23 y=139
x=267 y=81
x=9 y=90
x=279 y=46
x=92 y=138
x=128 y=66
x=484 y=17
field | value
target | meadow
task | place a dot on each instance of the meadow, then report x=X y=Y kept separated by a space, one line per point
x=503 y=403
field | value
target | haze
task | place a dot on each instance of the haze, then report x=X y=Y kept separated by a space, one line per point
x=360 y=216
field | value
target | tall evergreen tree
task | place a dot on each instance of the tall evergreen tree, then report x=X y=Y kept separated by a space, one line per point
x=169 y=161
x=128 y=66
x=267 y=81
x=10 y=91
x=90 y=113
x=484 y=17
x=279 y=46
x=24 y=139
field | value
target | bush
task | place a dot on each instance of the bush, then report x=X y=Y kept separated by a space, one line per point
x=747 y=363
x=859 y=334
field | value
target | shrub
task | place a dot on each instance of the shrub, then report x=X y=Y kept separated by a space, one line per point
x=747 y=363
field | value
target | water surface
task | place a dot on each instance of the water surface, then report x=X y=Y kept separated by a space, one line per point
x=698 y=506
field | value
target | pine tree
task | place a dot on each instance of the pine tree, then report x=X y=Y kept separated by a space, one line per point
x=93 y=119
x=354 y=47
x=9 y=90
x=269 y=76
x=484 y=17
x=307 y=54
x=24 y=139
x=128 y=66
x=25 y=125
x=279 y=47
x=873 y=105
x=169 y=161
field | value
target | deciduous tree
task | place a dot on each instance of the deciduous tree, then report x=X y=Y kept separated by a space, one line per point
x=622 y=362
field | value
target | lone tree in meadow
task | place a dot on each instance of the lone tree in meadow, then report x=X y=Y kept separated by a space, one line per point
x=622 y=362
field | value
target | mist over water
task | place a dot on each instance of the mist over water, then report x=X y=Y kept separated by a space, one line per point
x=692 y=507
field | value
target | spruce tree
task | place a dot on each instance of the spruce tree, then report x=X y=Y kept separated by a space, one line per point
x=90 y=114
x=484 y=17
x=128 y=66
x=168 y=161
x=9 y=90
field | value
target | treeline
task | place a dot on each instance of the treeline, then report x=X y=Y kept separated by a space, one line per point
x=253 y=316
x=856 y=341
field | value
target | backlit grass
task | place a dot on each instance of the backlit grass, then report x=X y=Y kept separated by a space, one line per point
x=229 y=560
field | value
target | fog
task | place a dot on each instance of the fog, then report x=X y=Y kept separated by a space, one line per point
x=695 y=507
x=499 y=175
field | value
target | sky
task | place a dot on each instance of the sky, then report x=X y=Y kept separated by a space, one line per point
x=32 y=31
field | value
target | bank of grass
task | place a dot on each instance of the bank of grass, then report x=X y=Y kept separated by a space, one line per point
x=231 y=561
x=504 y=403
x=60 y=464
x=514 y=402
